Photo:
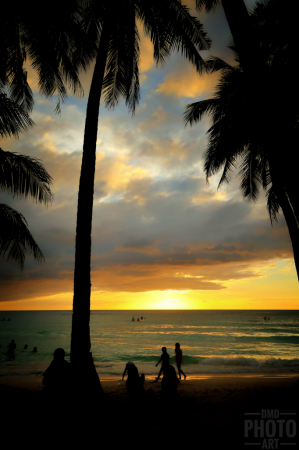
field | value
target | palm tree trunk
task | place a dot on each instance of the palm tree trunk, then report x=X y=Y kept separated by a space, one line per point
x=286 y=205
x=291 y=223
x=292 y=188
x=238 y=20
x=244 y=39
x=80 y=340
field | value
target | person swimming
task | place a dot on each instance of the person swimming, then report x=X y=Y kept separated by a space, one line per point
x=34 y=350
x=133 y=319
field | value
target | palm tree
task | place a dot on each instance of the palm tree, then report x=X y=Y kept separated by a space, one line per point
x=267 y=38
x=55 y=47
x=242 y=131
x=274 y=43
x=21 y=176
x=113 y=26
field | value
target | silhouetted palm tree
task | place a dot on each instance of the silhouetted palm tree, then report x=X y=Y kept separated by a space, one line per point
x=266 y=124
x=21 y=176
x=54 y=47
x=116 y=75
x=247 y=131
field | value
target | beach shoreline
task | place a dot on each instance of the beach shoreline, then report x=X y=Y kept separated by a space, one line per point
x=34 y=382
x=207 y=409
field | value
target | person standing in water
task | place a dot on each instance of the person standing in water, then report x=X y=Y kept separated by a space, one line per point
x=11 y=347
x=179 y=359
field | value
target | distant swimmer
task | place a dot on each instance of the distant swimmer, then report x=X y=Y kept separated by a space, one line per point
x=25 y=347
x=141 y=318
x=137 y=319
x=11 y=347
x=34 y=350
x=265 y=318
x=133 y=320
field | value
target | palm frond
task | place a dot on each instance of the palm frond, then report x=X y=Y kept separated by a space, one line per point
x=195 y=111
x=19 y=89
x=250 y=174
x=15 y=238
x=209 y=5
x=273 y=205
x=12 y=58
x=214 y=64
x=171 y=27
x=56 y=47
x=24 y=176
x=229 y=166
x=14 y=119
x=122 y=68
x=187 y=34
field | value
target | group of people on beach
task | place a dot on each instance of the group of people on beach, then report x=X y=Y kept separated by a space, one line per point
x=165 y=361
x=58 y=374
x=134 y=383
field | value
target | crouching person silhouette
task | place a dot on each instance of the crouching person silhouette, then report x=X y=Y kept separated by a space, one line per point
x=57 y=377
x=169 y=382
x=134 y=383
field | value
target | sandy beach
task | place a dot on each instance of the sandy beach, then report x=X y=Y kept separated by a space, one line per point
x=209 y=410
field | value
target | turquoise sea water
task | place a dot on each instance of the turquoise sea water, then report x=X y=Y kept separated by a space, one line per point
x=212 y=342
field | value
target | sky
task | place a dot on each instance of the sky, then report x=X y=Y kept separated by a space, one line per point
x=162 y=237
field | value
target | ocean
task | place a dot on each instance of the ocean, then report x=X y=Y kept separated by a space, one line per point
x=213 y=342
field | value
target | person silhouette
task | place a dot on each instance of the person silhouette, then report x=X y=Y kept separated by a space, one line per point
x=134 y=383
x=165 y=361
x=11 y=347
x=169 y=381
x=34 y=350
x=179 y=359
x=57 y=377
x=25 y=347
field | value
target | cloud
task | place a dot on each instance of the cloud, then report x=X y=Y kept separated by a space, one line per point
x=186 y=82
x=157 y=225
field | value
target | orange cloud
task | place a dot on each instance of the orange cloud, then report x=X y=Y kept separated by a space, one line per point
x=187 y=83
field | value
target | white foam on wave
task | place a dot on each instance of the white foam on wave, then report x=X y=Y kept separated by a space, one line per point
x=242 y=361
